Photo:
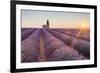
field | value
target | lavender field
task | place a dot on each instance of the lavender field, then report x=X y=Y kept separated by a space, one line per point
x=40 y=45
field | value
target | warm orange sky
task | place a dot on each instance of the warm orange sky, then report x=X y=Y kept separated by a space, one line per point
x=35 y=19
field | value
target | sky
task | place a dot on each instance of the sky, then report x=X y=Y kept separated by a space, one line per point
x=57 y=19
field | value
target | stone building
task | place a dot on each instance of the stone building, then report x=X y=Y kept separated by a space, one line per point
x=47 y=25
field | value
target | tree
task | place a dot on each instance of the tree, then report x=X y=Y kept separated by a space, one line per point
x=48 y=22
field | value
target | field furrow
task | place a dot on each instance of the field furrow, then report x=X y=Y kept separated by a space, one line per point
x=53 y=44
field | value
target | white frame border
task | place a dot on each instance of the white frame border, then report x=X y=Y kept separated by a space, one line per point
x=20 y=65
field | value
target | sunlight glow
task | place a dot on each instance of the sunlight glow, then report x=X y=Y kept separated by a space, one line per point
x=84 y=26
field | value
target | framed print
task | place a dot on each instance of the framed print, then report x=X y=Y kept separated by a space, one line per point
x=52 y=36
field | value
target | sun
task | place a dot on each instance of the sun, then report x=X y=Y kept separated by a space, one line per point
x=83 y=29
x=83 y=26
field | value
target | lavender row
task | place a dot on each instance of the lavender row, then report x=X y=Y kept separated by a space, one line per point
x=65 y=38
x=55 y=44
x=30 y=48
x=26 y=33
x=25 y=29
x=71 y=32
x=51 y=43
x=74 y=32
x=81 y=45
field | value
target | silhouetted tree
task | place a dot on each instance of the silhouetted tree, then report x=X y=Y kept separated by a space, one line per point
x=48 y=22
